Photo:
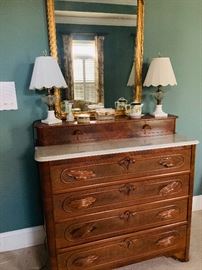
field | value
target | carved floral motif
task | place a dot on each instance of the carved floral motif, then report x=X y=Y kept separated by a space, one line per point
x=85 y=261
x=68 y=175
x=168 y=214
x=173 y=187
x=167 y=162
x=70 y=204
x=167 y=241
x=171 y=161
x=78 y=232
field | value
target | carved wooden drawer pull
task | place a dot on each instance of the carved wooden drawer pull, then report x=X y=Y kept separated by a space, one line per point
x=82 y=203
x=127 y=243
x=173 y=187
x=146 y=127
x=82 y=231
x=126 y=162
x=126 y=215
x=170 y=213
x=167 y=241
x=77 y=132
x=127 y=189
x=85 y=261
x=167 y=162
x=81 y=175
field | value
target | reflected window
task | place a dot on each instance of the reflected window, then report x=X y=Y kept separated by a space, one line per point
x=84 y=68
x=84 y=73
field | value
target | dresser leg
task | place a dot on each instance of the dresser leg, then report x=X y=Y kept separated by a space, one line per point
x=181 y=256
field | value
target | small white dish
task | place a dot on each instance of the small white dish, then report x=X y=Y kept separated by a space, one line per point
x=135 y=116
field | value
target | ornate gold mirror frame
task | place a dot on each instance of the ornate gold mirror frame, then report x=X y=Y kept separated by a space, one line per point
x=138 y=56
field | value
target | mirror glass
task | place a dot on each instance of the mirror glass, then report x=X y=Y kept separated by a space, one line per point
x=95 y=42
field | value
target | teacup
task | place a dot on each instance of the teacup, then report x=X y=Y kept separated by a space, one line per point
x=134 y=110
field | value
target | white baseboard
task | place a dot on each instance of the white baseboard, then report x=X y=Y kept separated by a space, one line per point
x=35 y=236
x=22 y=238
x=197 y=203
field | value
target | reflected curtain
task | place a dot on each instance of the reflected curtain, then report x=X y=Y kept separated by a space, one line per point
x=99 y=43
x=67 y=45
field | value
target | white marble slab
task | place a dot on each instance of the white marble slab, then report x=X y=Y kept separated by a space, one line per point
x=67 y=151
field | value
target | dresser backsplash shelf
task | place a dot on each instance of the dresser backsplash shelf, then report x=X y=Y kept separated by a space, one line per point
x=104 y=130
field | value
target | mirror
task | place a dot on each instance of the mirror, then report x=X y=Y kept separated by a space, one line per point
x=85 y=32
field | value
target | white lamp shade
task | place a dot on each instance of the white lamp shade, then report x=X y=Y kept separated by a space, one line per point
x=160 y=73
x=131 y=80
x=46 y=74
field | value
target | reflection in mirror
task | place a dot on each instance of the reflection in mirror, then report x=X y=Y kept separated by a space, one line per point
x=82 y=65
x=95 y=41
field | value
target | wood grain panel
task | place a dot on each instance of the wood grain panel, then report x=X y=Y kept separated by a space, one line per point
x=116 y=222
x=132 y=247
x=97 y=131
x=108 y=168
x=94 y=200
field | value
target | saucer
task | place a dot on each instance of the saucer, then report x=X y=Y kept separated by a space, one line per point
x=136 y=116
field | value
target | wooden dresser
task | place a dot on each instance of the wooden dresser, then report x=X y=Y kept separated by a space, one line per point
x=115 y=193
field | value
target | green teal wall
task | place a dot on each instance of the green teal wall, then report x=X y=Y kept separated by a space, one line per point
x=23 y=36
x=174 y=28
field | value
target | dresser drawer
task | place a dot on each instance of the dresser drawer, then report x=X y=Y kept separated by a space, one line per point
x=69 y=205
x=68 y=133
x=131 y=247
x=116 y=222
x=81 y=172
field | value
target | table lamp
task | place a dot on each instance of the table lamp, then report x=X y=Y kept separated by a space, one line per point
x=47 y=75
x=160 y=73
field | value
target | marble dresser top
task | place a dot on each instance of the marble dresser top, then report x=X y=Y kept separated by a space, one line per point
x=67 y=151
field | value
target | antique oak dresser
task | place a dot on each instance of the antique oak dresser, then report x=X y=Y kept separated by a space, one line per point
x=115 y=193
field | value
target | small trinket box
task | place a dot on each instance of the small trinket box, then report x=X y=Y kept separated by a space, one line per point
x=83 y=118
